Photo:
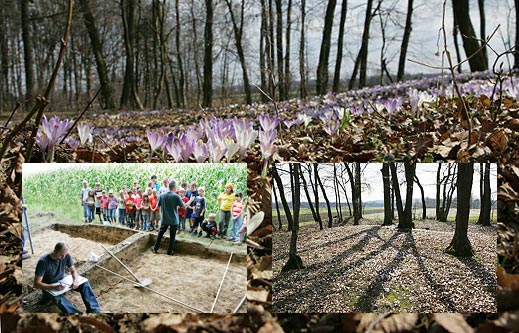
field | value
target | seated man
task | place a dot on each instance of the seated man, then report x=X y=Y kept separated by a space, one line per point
x=51 y=268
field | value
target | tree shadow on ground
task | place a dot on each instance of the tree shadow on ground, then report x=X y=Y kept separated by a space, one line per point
x=328 y=269
x=480 y=271
x=324 y=245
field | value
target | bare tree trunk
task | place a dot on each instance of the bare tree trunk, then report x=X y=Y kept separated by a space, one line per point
x=196 y=54
x=424 y=208
x=181 y=100
x=330 y=218
x=315 y=188
x=516 y=53
x=396 y=189
x=284 y=202
x=279 y=50
x=455 y=30
x=287 y=49
x=208 y=54
x=324 y=54
x=483 y=36
x=309 y=199
x=485 y=205
x=460 y=245
x=470 y=44
x=340 y=43
x=27 y=49
x=407 y=222
x=129 y=97
x=5 y=99
x=263 y=50
x=405 y=41
x=271 y=52
x=238 y=36
x=354 y=194
x=386 y=180
x=358 y=188
x=303 y=91
x=276 y=201
x=294 y=260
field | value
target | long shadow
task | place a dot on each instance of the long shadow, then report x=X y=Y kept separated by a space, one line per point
x=324 y=245
x=438 y=289
x=480 y=271
x=323 y=273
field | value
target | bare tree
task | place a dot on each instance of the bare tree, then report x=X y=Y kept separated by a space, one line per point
x=460 y=245
x=303 y=91
x=318 y=180
x=324 y=54
x=386 y=181
x=238 y=38
x=424 y=207
x=516 y=53
x=445 y=186
x=294 y=260
x=279 y=50
x=181 y=100
x=340 y=42
x=482 y=26
x=470 y=42
x=208 y=54
x=284 y=202
x=405 y=41
x=316 y=217
x=405 y=222
x=485 y=206
x=287 y=75
x=27 y=49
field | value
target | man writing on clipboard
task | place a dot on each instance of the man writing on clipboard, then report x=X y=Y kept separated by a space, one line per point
x=51 y=269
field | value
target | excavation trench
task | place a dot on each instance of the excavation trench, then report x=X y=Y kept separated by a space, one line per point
x=191 y=276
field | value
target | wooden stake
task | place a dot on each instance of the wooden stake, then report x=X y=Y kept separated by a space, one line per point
x=240 y=304
x=221 y=283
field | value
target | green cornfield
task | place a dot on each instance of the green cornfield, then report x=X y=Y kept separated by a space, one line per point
x=58 y=191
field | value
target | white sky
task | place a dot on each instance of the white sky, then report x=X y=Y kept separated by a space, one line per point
x=372 y=180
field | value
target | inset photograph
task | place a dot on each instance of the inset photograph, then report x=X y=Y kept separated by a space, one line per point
x=384 y=237
x=134 y=238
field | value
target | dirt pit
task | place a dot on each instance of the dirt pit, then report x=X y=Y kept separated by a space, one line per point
x=191 y=276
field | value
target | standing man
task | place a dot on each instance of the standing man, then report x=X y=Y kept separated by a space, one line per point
x=98 y=193
x=83 y=194
x=51 y=268
x=169 y=203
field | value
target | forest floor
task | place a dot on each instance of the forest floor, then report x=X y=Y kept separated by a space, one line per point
x=371 y=268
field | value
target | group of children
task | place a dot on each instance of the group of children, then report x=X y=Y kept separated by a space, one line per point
x=138 y=209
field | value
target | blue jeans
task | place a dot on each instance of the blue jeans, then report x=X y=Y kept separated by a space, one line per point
x=111 y=215
x=85 y=211
x=122 y=215
x=145 y=222
x=225 y=217
x=87 y=294
x=236 y=225
x=91 y=212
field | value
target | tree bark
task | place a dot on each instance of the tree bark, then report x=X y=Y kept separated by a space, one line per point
x=263 y=50
x=294 y=260
x=287 y=77
x=396 y=189
x=129 y=97
x=315 y=188
x=276 y=201
x=208 y=55
x=386 y=181
x=455 y=30
x=238 y=38
x=405 y=41
x=309 y=199
x=485 y=204
x=516 y=53
x=303 y=91
x=482 y=24
x=407 y=222
x=279 y=50
x=424 y=207
x=181 y=100
x=470 y=44
x=354 y=195
x=324 y=54
x=27 y=49
x=330 y=218
x=460 y=245
x=284 y=202
x=340 y=43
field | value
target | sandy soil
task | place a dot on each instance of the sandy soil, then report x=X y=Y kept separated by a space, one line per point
x=186 y=278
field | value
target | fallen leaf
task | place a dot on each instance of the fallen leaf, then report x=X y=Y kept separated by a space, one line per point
x=400 y=322
x=453 y=322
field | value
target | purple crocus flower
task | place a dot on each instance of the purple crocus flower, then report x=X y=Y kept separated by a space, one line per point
x=216 y=153
x=200 y=152
x=266 y=141
x=49 y=134
x=268 y=123
x=173 y=148
x=331 y=123
x=156 y=139
x=85 y=132
x=245 y=134
x=392 y=105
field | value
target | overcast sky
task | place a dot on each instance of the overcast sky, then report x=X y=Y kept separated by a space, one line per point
x=426 y=22
x=372 y=179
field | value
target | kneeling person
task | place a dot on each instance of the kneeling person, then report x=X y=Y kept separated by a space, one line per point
x=209 y=226
x=51 y=269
